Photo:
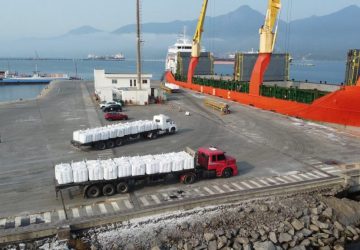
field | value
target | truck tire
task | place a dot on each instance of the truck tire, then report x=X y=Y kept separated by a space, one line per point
x=93 y=191
x=118 y=142
x=153 y=135
x=172 y=131
x=122 y=187
x=188 y=178
x=110 y=144
x=108 y=189
x=100 y=145
x=227 y=173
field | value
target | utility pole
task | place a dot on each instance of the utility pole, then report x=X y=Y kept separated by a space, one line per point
x=138 y=33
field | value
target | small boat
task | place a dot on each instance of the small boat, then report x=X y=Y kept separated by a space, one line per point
x=14 y=78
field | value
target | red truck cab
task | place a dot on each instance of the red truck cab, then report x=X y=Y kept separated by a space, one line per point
x=213 y=159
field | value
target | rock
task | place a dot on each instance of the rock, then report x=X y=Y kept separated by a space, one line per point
x=322 y=225
x=247 y=247
x=155 y=248
x=328 y=213
x=305 y=211
x=329 y=241
x=305 y=243
x=306 y=220
x=242 y=240
x=292 y=243
x=187 y=246
x=291 y=232
x=262 y=232
x=338 y=226
x=355 y=238
x=314 y=228
x=255 y=235
x=325 y=248
x=298 y=248
x=187 y=234
x=184 y=225
x=267 y=245
x=195 y=242
x=300 y=235
x=314 y=211
x=264 y=238
x=285 y=246
x=298 y=214
x=352 y=230
x=236 y=246
x=264 y=208
x=202 y=247
x=249 y=210
x=336 y=233
x=272 y=237
x=209 y=237
x=219 y=232
x=132 y=247
x=221 y=243
x=338 y=247
x=298 y=225
x=284 y=237
x=212 y=245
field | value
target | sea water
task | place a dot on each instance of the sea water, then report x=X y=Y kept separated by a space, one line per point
x=332 y=72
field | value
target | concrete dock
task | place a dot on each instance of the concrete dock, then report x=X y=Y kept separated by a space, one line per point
x=36 y=135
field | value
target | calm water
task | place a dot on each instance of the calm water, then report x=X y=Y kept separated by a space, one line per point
x=330 y=71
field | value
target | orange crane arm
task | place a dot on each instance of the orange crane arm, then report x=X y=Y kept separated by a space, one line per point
x=268 y=34
x=196 y=47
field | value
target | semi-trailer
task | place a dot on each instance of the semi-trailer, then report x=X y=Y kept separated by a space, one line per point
x=122 y=174
x=116 y=135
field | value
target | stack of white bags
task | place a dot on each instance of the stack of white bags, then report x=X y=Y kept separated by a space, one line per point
x=111 y=169
x=113 y=131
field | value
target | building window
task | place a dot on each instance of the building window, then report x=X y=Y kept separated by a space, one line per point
x=144 y=81
x=114 y=81
x=130 y=82
x=134 y=83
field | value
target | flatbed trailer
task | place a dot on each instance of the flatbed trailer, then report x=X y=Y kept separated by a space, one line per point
x=118 y=141
x=164 y=126
x=204 y=167
x=220 y=106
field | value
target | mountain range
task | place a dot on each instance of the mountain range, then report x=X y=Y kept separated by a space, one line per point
x=322 y=37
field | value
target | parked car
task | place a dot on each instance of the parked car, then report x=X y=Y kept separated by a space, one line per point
x=107 y=104
x=113 y=108
x=115 y=116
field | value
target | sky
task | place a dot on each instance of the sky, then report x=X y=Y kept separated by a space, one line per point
x=46 y=18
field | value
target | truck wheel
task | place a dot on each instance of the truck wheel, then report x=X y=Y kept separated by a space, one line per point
x=227 y=173
x=153 y=135
x=100 y=145
x=110 y=144
x=122 y=188
x=108 y=190
x=188 y=178
x=118 y=142
x=93 y=191
x=172 y=131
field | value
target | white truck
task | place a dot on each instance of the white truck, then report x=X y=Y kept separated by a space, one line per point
x=117 y=134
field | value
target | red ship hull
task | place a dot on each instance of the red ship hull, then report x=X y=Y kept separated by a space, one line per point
x=340 y=107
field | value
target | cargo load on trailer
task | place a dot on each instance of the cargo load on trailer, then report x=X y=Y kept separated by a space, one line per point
x=118 y=175
x=116 y=134
x=217 y=105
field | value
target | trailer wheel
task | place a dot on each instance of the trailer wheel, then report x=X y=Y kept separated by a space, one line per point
x=100 y=145
x=188 y=178
x=93 y=191
x=110 y=144
x=227 y=173
x=153 y=135
x=108 y=190
x=118 y=142
x=122 y=188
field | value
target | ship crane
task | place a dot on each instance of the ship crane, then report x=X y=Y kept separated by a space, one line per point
x=268 y=33
x=196 y=46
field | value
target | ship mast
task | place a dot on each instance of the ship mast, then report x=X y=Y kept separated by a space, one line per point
x=138 y=38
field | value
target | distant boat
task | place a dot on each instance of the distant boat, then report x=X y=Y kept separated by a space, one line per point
x=116 y=57
x=7 y=77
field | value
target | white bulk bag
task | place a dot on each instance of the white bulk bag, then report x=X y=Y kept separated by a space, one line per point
x=113 y=132
x=63 y=173
x=152 y=166
x=96 y=135
x=124 y=167
x=104 y=134
x=165 y=163
x=76 y=135
x=138 y=167
x=95 y=169
x=120 y=131
x=177 y=163
x=80 y=172
x=134 y=128
x=188 y=160
x=110 y=169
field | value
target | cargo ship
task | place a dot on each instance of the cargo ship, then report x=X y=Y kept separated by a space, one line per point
x=341 y=106
x=116 y=57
